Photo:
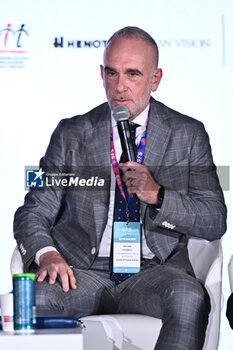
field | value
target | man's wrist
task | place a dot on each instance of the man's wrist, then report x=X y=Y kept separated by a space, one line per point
x=160 y=197
x=42 y=251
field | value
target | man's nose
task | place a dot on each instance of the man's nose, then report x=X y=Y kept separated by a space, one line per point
x=121 y=84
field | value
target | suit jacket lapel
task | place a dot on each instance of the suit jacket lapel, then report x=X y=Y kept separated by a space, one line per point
x=98 y=138
x=101 y=135
x=158 y=134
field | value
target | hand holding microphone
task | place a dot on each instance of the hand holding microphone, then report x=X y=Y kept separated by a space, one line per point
x=141 y=182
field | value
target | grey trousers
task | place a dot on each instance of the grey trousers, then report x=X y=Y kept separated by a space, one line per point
x=160 y=291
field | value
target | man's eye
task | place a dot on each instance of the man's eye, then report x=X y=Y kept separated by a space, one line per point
x=111 y=73
x=133 y=74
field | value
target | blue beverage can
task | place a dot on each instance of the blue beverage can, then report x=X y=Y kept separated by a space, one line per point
x=24 y=302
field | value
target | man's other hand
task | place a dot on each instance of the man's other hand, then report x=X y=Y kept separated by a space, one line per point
x=53 y=265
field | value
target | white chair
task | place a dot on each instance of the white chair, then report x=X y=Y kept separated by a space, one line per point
x=230 y=272
x=139 y=332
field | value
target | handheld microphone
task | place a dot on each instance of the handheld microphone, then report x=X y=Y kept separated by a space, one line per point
x=121 y=115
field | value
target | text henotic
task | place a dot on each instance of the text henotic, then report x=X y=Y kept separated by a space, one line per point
x=74 y=181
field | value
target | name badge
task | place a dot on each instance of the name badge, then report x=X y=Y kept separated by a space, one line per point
x=126 y=247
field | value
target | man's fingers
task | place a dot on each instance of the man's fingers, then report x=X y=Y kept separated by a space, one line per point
x=72 y=279
x=65 y=281
x=67 y=278
x=128 y=165
x=52 y=275
x=40 y=275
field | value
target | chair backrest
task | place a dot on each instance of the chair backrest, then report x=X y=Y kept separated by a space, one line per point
x=202 y=254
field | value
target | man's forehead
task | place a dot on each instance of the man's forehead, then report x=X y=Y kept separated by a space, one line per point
x=126 y=43
x=134 y=49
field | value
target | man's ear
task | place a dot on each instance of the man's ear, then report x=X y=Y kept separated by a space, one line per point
x=102 y=71
x=157 y=76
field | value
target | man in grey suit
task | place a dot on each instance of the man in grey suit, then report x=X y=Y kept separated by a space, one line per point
x=68 y=232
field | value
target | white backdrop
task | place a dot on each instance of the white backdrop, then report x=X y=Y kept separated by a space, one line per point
x=41 y=83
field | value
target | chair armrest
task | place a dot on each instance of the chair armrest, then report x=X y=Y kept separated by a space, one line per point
x=16 y=264
x=230 y=272
x=214 y=275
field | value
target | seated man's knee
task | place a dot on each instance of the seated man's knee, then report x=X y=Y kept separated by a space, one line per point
x=188 y=296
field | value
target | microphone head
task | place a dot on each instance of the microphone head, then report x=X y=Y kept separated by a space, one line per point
x=120 y=113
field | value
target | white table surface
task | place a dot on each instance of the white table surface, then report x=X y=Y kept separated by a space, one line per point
x=43 y=339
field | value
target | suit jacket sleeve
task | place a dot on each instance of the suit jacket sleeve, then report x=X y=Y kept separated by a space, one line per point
x=194 y=206
x=34 y=219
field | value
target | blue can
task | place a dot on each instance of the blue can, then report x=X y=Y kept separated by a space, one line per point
x=24 y=302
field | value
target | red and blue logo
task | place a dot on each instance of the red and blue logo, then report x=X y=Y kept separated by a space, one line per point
x=13 y=40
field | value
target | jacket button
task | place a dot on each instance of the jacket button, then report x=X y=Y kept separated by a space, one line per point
x=93 y=250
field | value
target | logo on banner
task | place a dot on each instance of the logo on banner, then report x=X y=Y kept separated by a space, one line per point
x=35 y=178
x=188 y=43
x=13 y=40
x=61 y=42
x=13 y=46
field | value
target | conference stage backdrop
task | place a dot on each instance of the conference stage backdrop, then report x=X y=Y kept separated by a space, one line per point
x=50 y=52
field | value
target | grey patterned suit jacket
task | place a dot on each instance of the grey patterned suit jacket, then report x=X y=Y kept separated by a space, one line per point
x=179 y=157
